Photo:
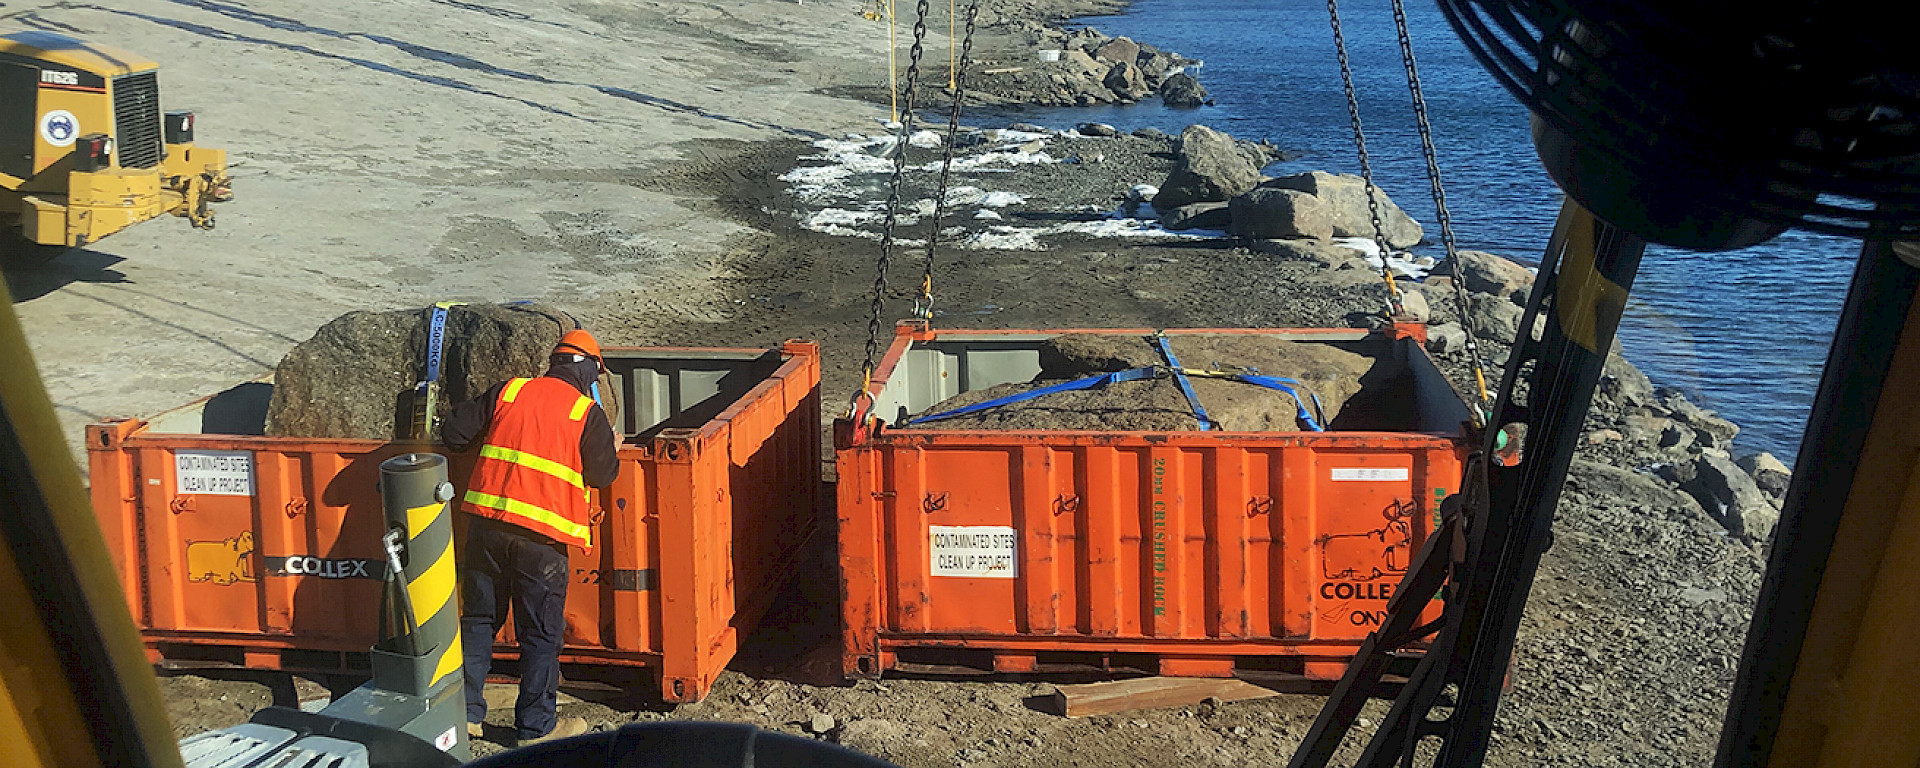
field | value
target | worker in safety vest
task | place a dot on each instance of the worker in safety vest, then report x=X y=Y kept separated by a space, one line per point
x=546 y=442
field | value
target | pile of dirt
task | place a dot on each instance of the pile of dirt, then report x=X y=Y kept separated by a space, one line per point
x=355 y=377
x=1342 y=376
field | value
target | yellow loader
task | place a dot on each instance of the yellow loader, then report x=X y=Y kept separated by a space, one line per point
x=85 y=150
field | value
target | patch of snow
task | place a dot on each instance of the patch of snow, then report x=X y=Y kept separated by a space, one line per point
x=1003 y=238
x=1002 y=199
x=826 y=217
x=841 y=231
x=989 y=158
x=1401 y=263
x=986 y=215
x=965 y=196
x=926 y=140
x=1020 y=137
x=1124 y=228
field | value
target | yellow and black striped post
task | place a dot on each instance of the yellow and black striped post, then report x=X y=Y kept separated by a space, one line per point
x=419 y=652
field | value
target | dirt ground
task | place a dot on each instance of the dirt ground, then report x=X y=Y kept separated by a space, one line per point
x=619 y=160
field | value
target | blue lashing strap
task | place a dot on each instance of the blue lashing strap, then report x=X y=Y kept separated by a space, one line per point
x=1091 y=382
x=1288 y=386
x=1186 y=387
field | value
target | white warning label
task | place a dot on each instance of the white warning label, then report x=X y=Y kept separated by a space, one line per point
x=1397 y=474
x=976 y=551
x=213 y=473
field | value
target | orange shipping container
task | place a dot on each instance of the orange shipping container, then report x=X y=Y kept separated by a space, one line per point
x=1181 y=553
x=243 y=550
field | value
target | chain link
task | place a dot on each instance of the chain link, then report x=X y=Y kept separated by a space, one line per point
x=1462 y=301
x=1366 y=167
x=878 y=307
x=923 y=307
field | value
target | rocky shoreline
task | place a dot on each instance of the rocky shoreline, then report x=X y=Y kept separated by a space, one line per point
x=1026 y=53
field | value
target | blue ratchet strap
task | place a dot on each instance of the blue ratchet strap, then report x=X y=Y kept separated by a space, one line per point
x=1186 y=387
x=436 y=333
x=1131 y=374
x=1287 y=386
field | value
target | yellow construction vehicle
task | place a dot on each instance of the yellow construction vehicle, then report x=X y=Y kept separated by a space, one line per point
x=85 y=150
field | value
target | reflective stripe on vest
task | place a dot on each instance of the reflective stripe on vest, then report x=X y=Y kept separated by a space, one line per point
x=551 y=519
x=529 y=473
x=534 y=463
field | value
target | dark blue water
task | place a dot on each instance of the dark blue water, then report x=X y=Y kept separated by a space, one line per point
x=1743 y=332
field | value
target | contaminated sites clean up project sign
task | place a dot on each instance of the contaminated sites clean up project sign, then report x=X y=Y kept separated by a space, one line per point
x=977 y=551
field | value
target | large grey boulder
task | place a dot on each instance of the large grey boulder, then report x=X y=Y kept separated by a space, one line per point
x=1609 y=481
x=1623 y=382
x=1182 y=90
x=1414 y=303
x=1446 y=338
x=1097 y=130
x=1484 y=272
x=1197 y=216
x=1257 y=153
x=1346 y=197
x=355 y=377
x=1728 y=495
x=1497 y=320
x=1126 y=81
x=1769 y=473
x=1280 y=214
x=1714 y=432
x=1119 y=50
x=1079 y=62
x=1208 y=168
x=1329 y=255
x=1157 y=64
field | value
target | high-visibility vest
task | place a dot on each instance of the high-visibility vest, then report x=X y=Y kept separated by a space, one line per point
x=529 y=468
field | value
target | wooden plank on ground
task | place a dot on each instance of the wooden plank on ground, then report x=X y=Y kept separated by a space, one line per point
x=1004 y=70
x=1150 y=693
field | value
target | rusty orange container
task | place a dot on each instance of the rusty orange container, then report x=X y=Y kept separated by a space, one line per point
x=1200 y=554
x=243 y=550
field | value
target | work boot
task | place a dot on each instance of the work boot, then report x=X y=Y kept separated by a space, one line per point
x=564 y=728
x=476 y=730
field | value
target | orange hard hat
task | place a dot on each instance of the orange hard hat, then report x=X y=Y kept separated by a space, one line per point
x=578 y=342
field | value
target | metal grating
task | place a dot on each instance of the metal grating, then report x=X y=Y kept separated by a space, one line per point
x=136 y=120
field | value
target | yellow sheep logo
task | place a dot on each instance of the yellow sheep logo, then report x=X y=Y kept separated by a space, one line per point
x=221 y=562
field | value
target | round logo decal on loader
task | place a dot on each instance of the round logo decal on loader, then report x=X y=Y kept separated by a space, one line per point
x=59 y=128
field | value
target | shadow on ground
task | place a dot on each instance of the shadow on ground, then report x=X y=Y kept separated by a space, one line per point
x=37 y=273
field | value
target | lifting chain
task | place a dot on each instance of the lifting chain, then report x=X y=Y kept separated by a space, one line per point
x=877 y=309
x=923 y=306
x=1366 y=168
x=1462 y=302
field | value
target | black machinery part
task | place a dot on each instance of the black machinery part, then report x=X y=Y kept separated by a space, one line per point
x=683 y=745
x=1707 y=126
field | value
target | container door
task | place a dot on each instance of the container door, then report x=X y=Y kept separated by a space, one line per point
x=202 y=542
x=1369 y=521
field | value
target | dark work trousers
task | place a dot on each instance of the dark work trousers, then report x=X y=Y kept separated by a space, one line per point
x=504 y=563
